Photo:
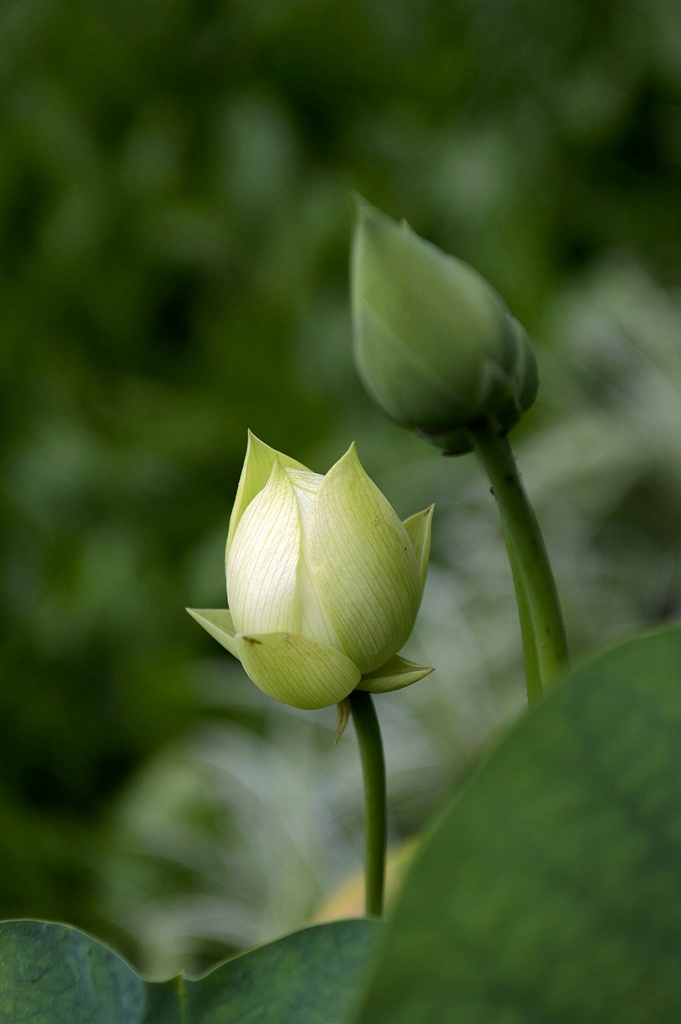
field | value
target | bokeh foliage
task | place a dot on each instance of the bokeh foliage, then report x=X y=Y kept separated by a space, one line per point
x=173 y=241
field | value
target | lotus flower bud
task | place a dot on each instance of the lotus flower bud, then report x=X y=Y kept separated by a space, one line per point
x=323 y=581
x=434 y=343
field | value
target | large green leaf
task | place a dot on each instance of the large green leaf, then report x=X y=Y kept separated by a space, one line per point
x=549 y=893
x=54 y=974
x=310 y=977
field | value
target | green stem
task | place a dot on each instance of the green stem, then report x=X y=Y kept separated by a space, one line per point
x=375 y=818
x=533 y=671
x=541 y=620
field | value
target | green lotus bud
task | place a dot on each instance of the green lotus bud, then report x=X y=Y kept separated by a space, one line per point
x=323 y=581
x=434 y=343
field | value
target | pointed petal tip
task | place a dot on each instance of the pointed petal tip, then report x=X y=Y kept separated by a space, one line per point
x=370 y=221
x=353 y=455
x=360 y=205
x=219 y=624
x=349 y=461
x=394 y=675
x=428 y=514
x=253 y=441
x=425 y=512
x=343 y=717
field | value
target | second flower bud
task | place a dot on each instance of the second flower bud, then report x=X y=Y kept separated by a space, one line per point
x=435 y=344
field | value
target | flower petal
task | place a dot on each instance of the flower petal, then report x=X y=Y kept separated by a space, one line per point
x=362 y=564
x=394 y=675
x=296 y=670
x=263 y=560
x=254 y=475
x=418 y=527
x=407 y=389
x=217 y=622
x=442 y=309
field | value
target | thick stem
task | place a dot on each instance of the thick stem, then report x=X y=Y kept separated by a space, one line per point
x=375 y=818
x=541 y=619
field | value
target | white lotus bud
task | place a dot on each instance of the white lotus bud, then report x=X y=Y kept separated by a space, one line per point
x=323 y=581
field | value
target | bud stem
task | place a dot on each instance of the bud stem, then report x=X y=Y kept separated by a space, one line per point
x=375 y=819
x=541 y=619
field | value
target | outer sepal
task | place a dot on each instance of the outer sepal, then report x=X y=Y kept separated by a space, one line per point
x=418 y=528
x=296 y=670
x=394 y=675
x=218 y=622
x=526 y=371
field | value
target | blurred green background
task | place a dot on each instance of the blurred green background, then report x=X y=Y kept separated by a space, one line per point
x=175 y=231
